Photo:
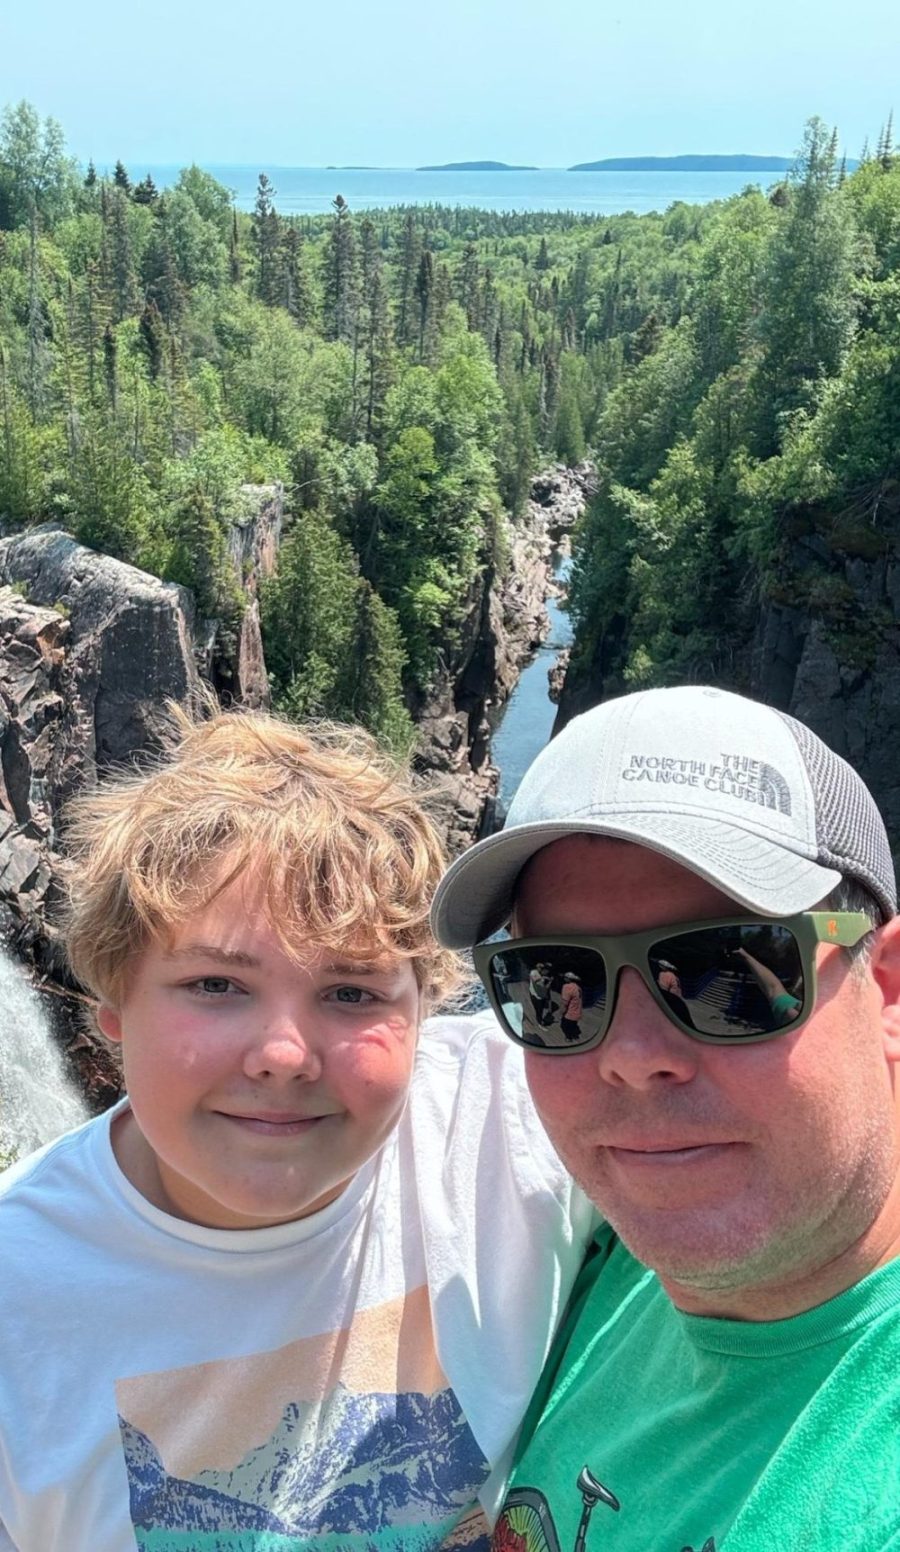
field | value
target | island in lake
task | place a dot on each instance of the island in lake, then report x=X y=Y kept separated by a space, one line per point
x=476 y=167
x=687 y=164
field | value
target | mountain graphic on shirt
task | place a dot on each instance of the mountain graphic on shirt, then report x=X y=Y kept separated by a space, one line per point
x=351 y=1472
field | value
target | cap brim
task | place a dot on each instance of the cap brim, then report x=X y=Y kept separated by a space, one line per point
x=475 y=896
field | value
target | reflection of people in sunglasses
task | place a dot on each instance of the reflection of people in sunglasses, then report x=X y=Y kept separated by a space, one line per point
x=784 y=1006
x=731 y=1373
x=669 y=984
x=572 y=1006
x=539 y=991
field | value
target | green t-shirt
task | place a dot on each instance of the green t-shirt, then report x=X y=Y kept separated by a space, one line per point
x=706 y=1435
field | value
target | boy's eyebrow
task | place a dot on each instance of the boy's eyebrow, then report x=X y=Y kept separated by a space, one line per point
x=352 y=967
x=224 y=956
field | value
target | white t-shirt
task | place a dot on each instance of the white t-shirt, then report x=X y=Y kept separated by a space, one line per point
x=351 y=1381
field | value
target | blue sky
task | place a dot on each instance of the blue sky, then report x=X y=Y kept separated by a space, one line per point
x=398 y=82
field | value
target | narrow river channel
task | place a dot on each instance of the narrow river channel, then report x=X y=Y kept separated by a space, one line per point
x=524 y=723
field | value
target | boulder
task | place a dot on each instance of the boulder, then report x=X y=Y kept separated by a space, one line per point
x=90 y=651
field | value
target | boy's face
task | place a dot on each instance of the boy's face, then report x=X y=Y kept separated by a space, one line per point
x=258 y=1087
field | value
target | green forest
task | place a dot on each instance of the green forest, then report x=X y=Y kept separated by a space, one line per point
x=733 y=368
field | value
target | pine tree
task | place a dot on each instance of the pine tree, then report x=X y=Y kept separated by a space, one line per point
x=542 y=262
x=122 y=266
x=234 y=252
x=409 y=265
x=199 y=556
x=265 y=232
x=121 y=179
x=90 y=177
x=152 y=339
x=296 y=295
x=424 y=293
x=885 y=152
x=369 y=689
x=146 y=192
x=378 y=350
x=110 y=367
x=341 y=296
x=470 y=285
x=37 y=330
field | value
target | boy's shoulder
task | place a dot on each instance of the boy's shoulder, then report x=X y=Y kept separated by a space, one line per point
x=66 y=1156
x=470 y=1096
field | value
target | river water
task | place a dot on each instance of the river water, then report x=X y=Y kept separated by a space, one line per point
x=524 y=723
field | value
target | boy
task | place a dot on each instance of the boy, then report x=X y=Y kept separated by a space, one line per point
x=264 y=1302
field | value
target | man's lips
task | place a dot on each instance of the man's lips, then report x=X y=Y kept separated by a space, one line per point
x=671 y=1152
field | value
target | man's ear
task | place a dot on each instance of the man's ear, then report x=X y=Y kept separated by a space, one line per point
x=109 y=1022
x=886 y=973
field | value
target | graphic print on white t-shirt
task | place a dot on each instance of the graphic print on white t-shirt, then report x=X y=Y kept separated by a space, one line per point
x=347 y=1441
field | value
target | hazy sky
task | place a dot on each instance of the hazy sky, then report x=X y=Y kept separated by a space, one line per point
x=398 y=82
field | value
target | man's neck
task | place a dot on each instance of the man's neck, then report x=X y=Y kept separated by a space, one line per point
x=805 y=1288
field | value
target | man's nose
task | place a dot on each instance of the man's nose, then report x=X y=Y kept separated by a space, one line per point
x=642 y=1047
x=283 y=1048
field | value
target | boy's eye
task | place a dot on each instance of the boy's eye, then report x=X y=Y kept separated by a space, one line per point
x=351 y=994
x=213 y=986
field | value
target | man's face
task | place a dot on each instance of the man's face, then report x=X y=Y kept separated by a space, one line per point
x=720 y=1167
x=258 y=1087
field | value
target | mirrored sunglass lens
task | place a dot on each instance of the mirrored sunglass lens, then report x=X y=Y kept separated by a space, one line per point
x=552 y=997
x=733 y=982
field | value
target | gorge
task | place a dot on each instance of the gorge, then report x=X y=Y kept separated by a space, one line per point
x=91 y=650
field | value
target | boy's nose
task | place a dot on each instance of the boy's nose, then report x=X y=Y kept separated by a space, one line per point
x=283 y=1051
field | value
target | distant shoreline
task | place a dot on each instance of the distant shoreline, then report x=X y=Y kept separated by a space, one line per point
x=687 y=164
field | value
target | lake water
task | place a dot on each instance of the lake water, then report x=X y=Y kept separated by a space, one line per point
x=310 y=190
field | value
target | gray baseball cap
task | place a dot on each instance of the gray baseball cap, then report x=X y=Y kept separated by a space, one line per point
x=741 y=794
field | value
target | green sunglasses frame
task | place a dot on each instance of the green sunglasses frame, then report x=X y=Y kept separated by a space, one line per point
x=809 y=928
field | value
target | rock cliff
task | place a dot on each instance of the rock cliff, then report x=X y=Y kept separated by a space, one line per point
x=823 y=645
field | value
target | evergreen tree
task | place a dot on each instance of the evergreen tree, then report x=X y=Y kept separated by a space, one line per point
x=37 y=329
x=152 y=339
x=145 y=192
x=121 y=179
x=265 y=232
x=885 y=153
x=424 y=296
x=341 y=293
x=369 y=687
x=296 y=296
x=470 y=285
x=198 y=558
x=122 y=273
x=808 y=320
x=234 y=252
x=90 y=177
x=110 y=367
x=411 y=252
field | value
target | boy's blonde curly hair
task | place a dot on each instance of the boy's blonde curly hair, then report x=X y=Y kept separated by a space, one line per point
x=346 y=857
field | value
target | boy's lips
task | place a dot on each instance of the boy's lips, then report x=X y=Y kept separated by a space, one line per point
x=274 y=1123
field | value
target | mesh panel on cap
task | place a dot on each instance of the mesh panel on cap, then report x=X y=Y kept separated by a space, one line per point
x=849 y=829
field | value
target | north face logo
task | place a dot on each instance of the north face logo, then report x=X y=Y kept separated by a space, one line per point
x=734 y=775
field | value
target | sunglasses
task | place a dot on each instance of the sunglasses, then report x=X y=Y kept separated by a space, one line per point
x=728 y=981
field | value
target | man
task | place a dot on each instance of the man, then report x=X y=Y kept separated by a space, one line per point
x=729 y=1379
